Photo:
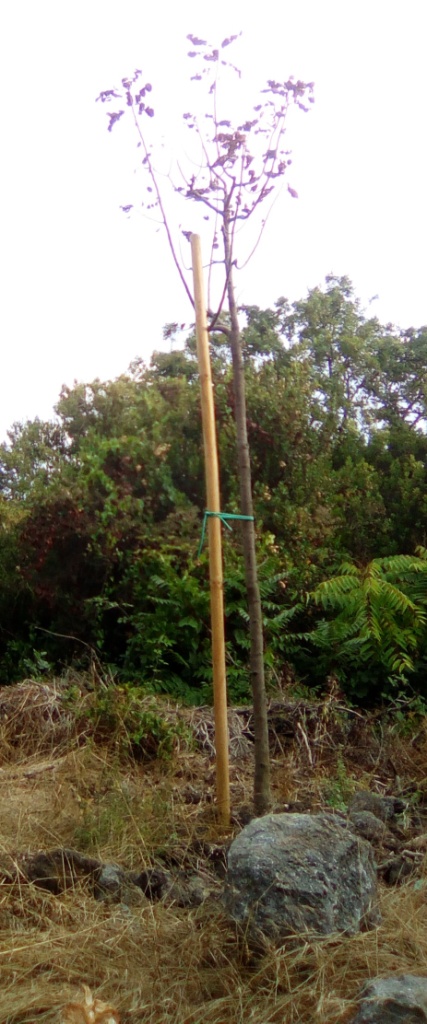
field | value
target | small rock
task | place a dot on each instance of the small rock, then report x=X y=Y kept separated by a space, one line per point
x=383 y=807
x=398 y=869
x=181 y=888
x=190 y=795
x=243 y=815
x=400 y=999
x=189 y=890
x=115 y=886
x=153 y=882
x=59 y=869
x=368 y=826
x=110 y=880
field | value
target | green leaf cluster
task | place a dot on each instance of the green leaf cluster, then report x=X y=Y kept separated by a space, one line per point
x=101 y=511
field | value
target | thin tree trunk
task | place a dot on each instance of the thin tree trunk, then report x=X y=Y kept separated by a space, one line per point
x=262 y=794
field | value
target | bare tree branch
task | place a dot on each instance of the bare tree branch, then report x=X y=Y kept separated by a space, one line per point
x=161 y=206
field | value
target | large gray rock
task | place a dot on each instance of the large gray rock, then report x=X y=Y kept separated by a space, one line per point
x=293 y=873
x=400 y=999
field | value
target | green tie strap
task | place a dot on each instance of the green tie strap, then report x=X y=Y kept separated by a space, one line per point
x=224 y=517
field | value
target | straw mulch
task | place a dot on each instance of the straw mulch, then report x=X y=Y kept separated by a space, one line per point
x=157 y=963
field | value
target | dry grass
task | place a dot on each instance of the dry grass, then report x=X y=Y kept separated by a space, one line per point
x=160 y=964
x=90 y=1010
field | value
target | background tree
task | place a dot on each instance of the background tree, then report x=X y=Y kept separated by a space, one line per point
x=100 y=517
x=238 y=167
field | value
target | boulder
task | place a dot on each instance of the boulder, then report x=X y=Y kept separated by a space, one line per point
x=301 y=873
x=400 y=999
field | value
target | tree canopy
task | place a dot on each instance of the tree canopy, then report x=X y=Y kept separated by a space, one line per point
x=101 y=511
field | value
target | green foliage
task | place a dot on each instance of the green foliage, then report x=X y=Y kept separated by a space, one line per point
x=125 y=716
x=167 y=623
x=339 y=787
x=101 y=512
x=28 y=462
x=278 y=641
x=133 y=820
x=406 y=713
x=379 y=621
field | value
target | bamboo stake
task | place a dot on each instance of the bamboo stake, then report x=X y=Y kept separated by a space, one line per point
x=214 y=536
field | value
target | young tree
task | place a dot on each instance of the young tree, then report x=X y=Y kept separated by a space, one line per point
x=233 y=171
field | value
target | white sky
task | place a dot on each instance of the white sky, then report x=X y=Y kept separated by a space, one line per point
x=84 y=289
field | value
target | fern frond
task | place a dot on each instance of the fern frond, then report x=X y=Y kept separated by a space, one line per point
x=396 y=564
x=379 y=613
x=400 y=602
x=331 y=592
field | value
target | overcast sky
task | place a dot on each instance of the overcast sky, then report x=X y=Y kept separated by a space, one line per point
x=85 y=289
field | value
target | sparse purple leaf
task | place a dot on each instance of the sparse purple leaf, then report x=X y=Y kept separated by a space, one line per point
x=195 y=41
x=107 y=95
x=231 y=39
x=113 y=118
x=292 y=192
x=248 y=125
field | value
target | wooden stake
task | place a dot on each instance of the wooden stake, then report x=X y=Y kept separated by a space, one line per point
x=214 y=536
